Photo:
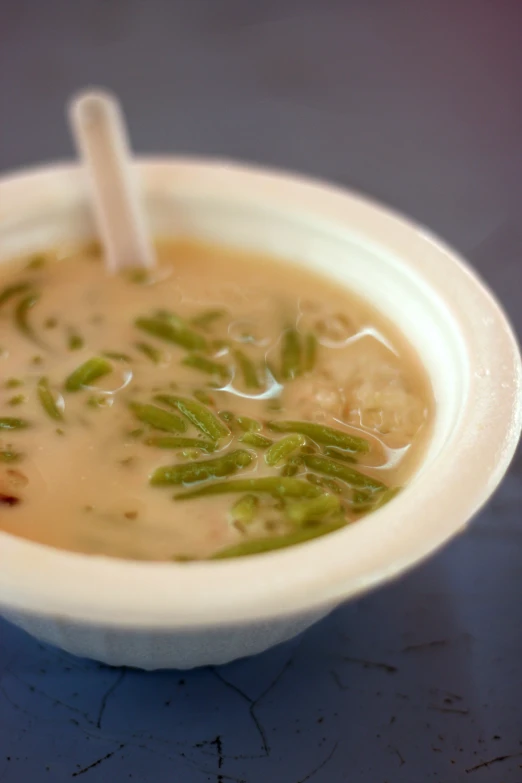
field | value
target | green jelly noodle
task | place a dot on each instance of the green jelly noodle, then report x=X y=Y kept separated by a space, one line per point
x=172 y=329
x=158 y=418
x=276 y=486
x=11 y=423
x=197 y=414
x=48 y=401
x=322 y=434
x=192 y=472
x=87 y=373
x=259 y=546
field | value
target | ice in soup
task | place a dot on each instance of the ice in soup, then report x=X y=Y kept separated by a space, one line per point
x=226 y=404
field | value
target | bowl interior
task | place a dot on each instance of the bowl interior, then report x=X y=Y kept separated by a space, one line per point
x=448 y=316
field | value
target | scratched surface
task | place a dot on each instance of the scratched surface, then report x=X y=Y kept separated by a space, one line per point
x=415 y=103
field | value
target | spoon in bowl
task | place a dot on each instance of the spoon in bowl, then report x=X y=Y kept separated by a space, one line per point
x=99 y=131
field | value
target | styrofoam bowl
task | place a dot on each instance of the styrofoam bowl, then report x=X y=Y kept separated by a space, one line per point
x=153 y=615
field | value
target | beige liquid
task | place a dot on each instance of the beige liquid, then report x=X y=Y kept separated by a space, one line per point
x=83 y=484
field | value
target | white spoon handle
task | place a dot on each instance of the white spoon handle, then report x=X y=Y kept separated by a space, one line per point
x=99 y=131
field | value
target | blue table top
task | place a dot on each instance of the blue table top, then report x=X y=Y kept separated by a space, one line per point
x=419 y=681
x=414 y=103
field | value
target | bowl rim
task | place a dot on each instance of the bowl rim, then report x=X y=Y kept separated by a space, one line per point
x=342 y=564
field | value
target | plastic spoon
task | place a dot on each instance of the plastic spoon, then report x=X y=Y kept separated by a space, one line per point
x=99 y=131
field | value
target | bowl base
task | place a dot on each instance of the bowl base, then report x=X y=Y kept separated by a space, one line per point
x=151 y=648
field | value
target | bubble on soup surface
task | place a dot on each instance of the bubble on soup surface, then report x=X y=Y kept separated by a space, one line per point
x=246 y=331
x=377 y=398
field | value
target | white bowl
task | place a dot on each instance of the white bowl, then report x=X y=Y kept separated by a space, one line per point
x=153 y=615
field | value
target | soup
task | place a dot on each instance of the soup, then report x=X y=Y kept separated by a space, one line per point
x=225 y=404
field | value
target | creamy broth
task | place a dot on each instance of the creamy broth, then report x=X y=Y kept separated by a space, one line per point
x=236 y=352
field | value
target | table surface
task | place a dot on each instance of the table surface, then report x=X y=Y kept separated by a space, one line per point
x=415 y=103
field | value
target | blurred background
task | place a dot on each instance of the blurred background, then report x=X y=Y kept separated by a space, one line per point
x=414 y=102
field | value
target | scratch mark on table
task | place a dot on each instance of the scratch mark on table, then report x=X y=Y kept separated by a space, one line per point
x=221 y=776
x=186 y=759
x=254 y=703
x=97 y=762
x=106 y=696
x=425 y=646
x=402 y=760
x=323 y=763
x=14 y=705
x=61 y=658
x=7 y=665
x=218 y=742
x=230 y=685
x=451 y=710
x=387 y=667
x=449 y=694
x=52 y=699
x=496 y=760
x=337 y=681
x=251 y=709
